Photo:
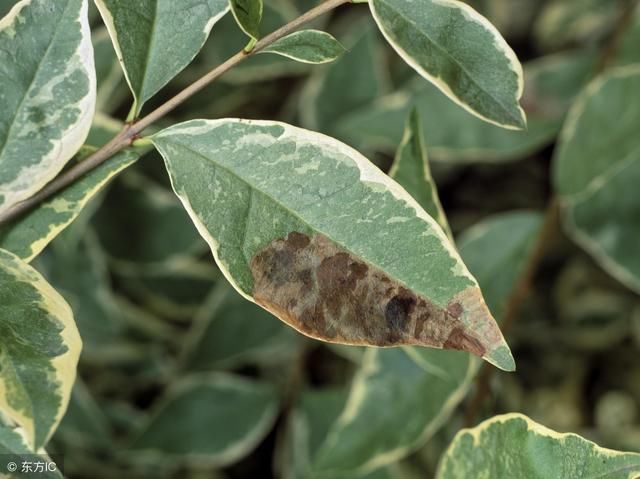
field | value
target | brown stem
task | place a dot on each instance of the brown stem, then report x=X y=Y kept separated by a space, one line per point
x=131 y=131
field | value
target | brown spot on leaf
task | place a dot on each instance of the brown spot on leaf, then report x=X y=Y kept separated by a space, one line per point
x=326 y=292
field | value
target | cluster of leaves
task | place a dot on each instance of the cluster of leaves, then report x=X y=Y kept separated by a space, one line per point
x=180 y=376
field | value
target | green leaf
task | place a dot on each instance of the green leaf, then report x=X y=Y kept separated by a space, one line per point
x=596 y=175
x=307 y=46
x=417 y=388
x=230 y=331
x=112 y=90
x=496 y=251
x=420 y=388
x=39 y=350
x=214 y=420
x=289 y=213
x=14 y=448
x=411 y=169
x=48 y=92
x=460 y=52
x=455 y=136
x=627 y=52
x=512 y=445
x=353 y=81
x=28 y=235
x=248 y=15
x=157 y=39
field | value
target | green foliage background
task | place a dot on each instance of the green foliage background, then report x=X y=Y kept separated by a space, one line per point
x=180 y=377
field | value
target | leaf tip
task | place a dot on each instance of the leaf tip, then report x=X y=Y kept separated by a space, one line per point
x=501 y=358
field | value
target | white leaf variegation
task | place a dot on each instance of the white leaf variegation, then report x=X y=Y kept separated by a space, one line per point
x=459 y=51
x=47 y=92
x=39 y=350
x=291 y=214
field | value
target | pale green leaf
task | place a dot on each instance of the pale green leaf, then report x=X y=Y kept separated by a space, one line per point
x=47 y=92
x=307 y=46
x=248 y=14
x=28 y=235
x=420 y=388
x=455 y=136
x=214 y=420
x=260 y=192
x=597 y=172
x=512 y=445
x=14 y=448
x=157 y=39
x=39 y=350
x=411 y=170
x=459 y=51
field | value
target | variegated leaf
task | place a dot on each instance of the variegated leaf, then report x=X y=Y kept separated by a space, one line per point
x=459 y=51
x=313 y=232
x=156 y=39
x=47 y=92
x=39 y=350
x=597 y=172
x=307 y=46
x=512 y=445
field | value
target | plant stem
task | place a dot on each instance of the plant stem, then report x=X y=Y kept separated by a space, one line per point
x=131 y=131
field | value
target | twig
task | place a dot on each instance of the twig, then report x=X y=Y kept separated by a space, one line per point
x=131 y=131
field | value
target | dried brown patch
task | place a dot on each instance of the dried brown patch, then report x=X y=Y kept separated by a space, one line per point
x=327 y=293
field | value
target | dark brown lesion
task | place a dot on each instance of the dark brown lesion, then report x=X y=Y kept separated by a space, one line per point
x=328 y=293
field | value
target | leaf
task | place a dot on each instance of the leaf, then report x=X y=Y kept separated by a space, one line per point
x=596 y=175
x=156 y=39
x=453 y=135
x=420 y=388
x=296 y=215
x=240 y=412
x=460 y=52
x=14 y=448
x=627 y=52
x=512 y=445
x=496 y=251
x=417 y=388
x=307 y=46
x=39 y=350
x=48 y=86
x=230 y=331
x=248 y=14
x=141 y=223
x=411 y=169
x=28 y=235
x=112 y=90
x=353 y=81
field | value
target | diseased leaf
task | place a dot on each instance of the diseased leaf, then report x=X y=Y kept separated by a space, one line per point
x=512 y=445
x=420 y=388
x=307 y=46
x=47 y=93
x=14 y=448
x=411 y=169
x=214 y=420
x=39 y=350
x=156 y=39
x=261 y=194
x=248 y=14
x=551 y=84
x=460 y=52
x=597 y=172
x=28 y=235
